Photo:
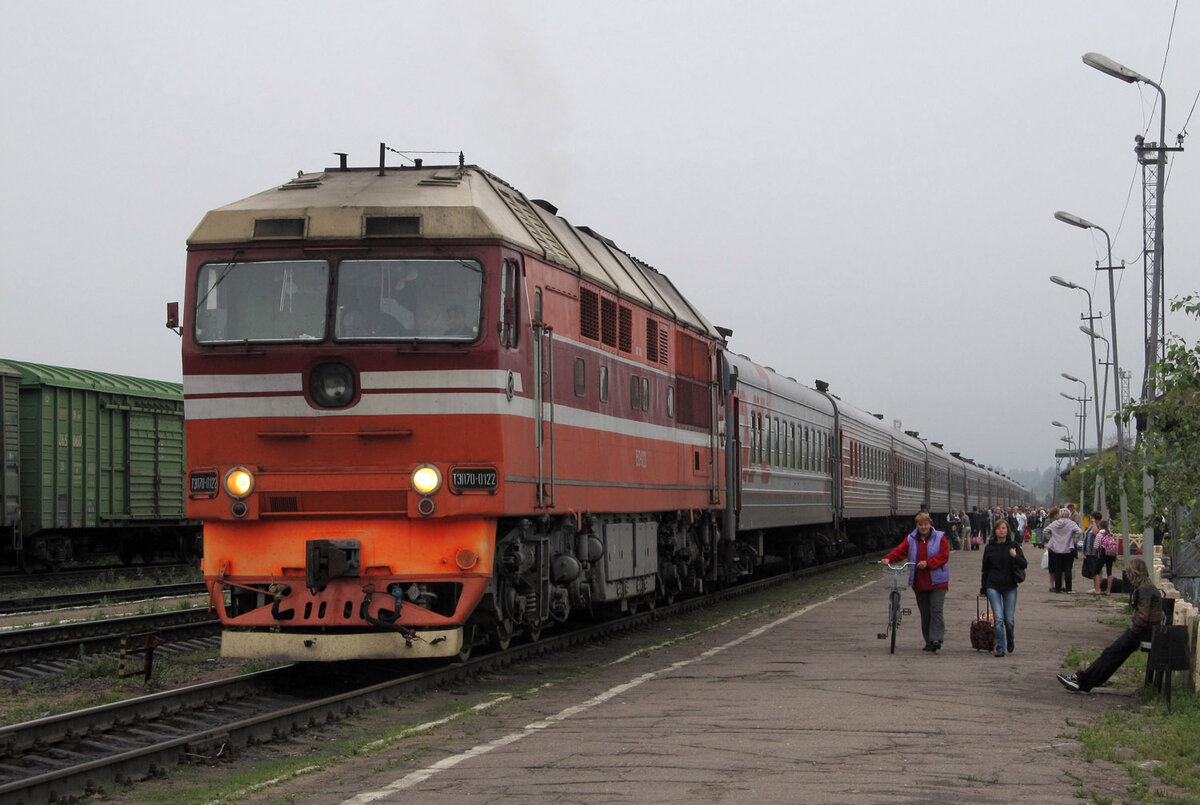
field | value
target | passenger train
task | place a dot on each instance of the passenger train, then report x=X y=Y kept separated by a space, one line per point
x=425 y=412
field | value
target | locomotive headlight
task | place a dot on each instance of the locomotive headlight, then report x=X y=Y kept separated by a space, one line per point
x=332 y=385
x=426 y=479
x=239 y=482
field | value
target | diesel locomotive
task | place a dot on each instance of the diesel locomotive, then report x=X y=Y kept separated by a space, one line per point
x=425 y=412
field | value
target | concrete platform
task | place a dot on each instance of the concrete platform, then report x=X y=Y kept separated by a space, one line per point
x=790 y=705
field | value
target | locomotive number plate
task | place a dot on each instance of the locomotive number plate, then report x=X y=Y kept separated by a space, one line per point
x=202 y=484
x=474 y=479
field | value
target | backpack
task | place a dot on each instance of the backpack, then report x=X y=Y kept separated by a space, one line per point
x=1107 y=543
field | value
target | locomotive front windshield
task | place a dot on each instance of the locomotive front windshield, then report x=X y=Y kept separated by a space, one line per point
x=372 y=300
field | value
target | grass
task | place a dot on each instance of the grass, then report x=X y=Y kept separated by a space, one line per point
x=1157 y=747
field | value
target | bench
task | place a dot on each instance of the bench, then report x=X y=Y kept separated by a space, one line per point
x=1168 y=651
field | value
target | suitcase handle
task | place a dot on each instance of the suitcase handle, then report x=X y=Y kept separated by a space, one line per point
x=987 y=607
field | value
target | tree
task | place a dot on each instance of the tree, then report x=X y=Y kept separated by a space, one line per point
x=1170 y=426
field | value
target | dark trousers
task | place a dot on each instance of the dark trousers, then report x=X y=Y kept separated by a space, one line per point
x=1111 y=658
x=933 y=622
x=1060 y=567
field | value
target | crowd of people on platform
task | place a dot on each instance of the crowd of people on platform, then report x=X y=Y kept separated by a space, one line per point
x=1000 y=532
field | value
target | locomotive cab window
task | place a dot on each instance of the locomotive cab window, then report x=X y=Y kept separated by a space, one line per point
x=431 y=300
x=265 y=301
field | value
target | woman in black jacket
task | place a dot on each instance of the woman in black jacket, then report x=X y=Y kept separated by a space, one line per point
x=1001 y=557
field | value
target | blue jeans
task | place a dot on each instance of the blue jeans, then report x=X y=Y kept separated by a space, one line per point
x=1004 y=606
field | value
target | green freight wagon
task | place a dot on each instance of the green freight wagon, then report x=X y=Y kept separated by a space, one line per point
x=10 y=454
x=99 y=460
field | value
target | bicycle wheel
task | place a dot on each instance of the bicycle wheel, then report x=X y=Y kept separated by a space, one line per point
x=894 y=619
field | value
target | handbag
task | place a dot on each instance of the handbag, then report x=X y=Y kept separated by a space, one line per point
x=1018 y=574
x=1046 y=559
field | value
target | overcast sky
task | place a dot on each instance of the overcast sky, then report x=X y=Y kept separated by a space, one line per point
x=863 y=191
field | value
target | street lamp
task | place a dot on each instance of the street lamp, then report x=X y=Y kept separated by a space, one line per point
x=1082 y=223
x=1102 y=503
x=1071 y=444
x=1101 y=499
x=1083 y=401
x=1123 y=73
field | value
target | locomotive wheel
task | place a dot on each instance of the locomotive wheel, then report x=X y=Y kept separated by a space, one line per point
x=532 y=633
x=468 y=642
x=502 y=635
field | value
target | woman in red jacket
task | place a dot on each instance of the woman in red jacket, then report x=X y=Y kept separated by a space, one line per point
x=929 y=551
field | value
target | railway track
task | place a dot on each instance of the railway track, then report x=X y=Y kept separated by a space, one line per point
x=13 y=584
x=80 y=752
x=20 y=647
x=64 y=600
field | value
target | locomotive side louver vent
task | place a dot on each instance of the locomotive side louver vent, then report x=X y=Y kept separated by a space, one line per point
x=625 y=338
x=383 y=226
x=279 y=227
x=589 y=314
x=656 y=342
x=608 y=322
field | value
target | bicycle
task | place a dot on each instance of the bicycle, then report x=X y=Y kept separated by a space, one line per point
x=896 y=577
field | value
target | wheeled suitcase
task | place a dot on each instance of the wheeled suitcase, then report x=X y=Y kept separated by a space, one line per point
x=983 y=628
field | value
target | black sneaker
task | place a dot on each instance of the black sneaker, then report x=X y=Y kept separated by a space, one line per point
x=928 y=647
x=1069 y=682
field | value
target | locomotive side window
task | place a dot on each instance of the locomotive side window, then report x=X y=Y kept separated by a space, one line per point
x=580 y=377
x=635 y=393
x=266 y=301
x=603 y=384
x=645 y=394
x=509 y=283
x=671 y=401
x=435 y=300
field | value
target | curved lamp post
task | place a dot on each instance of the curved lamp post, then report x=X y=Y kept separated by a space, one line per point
x=1091 y=343
x=1082 y=223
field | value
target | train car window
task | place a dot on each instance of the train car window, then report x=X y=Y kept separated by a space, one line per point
x=537 y=305
x=277 y=300
x=580 y=377
x=603 y=384
x=671 y=401
x=635 y=393
x=645 y=394
x=509 y=307
x=428 y=300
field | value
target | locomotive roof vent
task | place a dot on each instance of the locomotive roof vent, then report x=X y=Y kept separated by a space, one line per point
x=385 y=226
x=822 y=385
x=545 y=205
x=912 y=433
x=279 y=227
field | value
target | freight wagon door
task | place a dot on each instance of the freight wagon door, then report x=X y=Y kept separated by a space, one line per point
x=155 y=450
